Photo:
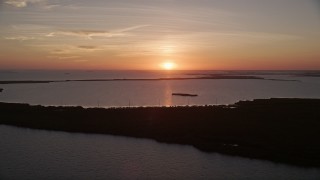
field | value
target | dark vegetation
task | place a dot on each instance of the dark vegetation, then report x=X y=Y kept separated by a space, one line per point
x=293 y=73
x=25 y=82
x=184 y=94
x=281 y=130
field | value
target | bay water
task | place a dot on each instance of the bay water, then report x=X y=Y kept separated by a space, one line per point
x=40 y=154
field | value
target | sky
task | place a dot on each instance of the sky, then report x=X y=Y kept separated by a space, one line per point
x=144 y=34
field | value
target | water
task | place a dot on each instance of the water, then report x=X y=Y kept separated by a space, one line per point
x=151 y=93
x=39 y=154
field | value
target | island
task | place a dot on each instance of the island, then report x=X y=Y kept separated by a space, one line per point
x=282 y=130
x=184 y=94
x=201 y=77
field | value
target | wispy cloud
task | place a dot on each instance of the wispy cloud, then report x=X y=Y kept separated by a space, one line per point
x=72 y=52
x=69 y=57
x=95 y=33
x=89 y=48
x=43 y=4
x=85 y=33
x=19 y=38
x=22 y=3
x=60 y=51
x=261 y=35
x=49 y=7
x=64 y=57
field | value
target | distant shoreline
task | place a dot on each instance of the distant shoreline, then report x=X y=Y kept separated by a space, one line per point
x=280 y=130
x=208 y=77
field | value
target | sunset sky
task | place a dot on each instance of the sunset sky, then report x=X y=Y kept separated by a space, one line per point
x=145 y=34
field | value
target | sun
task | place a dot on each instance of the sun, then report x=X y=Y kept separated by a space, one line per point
x=168 y=65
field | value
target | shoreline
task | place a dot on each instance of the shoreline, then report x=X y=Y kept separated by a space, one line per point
x=284 y=130
x=211 y=77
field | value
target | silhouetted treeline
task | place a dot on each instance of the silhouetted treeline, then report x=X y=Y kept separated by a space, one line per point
x=281 y=130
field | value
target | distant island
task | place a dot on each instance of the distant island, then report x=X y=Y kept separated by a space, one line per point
x=207 y=77
x=280 y=130
x=184 y=94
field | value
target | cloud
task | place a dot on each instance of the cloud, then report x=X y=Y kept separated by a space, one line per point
x=95 y=33
x=85 y=33
x=19 y=38
x=49 y=7
x=132 y=28
x=60 y=51
x=87 y=47
x=22 y=3
x=68 y=51
x=69 y=57
x=64 y=57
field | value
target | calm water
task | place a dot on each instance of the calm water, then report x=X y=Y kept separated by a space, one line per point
x=35 y=154
x=39 y=154
x=150 y=93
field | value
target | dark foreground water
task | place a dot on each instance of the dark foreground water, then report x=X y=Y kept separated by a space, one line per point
x=39 y=154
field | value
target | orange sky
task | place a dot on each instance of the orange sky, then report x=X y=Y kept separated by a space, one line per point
x=142 y=34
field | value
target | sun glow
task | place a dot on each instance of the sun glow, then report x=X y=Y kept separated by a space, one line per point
x=168 y=65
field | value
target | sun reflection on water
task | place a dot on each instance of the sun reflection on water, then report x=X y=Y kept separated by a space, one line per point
x=168 y=94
